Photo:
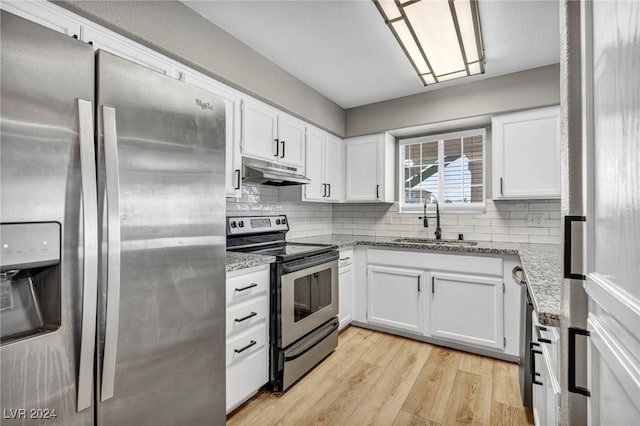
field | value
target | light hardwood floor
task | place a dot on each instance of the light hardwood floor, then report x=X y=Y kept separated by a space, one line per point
x=379 y=379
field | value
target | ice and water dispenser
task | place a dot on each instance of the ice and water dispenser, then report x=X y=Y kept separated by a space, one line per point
x=29 y=280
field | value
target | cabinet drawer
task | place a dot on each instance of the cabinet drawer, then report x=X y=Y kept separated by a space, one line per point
x=245 y=378
x=243 y=286
x=242 y=317
x=242 y=346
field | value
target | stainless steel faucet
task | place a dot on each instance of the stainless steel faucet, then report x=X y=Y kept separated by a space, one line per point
x=425 y=220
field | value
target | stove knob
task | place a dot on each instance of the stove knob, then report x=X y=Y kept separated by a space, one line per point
x=283 y=221
x=233 y=224
x=241 y=224
x=277 y=221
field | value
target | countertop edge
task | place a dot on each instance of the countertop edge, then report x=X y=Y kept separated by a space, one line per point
x=545 y=317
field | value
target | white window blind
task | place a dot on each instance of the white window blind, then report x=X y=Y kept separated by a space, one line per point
x=450 y=166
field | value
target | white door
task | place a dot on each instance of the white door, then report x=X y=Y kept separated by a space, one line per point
x=315 y=190
x=233 y=158
x=362 y=157
x=259 y=136
x=467 y=309
x=345 y=286
x=395 y=298
x=613 y=236
x=291 y=136
x=334 y=168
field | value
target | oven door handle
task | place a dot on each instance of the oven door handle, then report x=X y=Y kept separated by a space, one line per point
x=286 y=269
x=330 y=328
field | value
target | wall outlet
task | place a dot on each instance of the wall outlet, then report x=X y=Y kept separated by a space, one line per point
x=535 y=219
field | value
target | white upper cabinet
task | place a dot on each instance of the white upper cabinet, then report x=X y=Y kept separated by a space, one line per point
x=369 y=168
x=334 y=167
x=324 y=166
x=260 y=130
x=526 y=154
x=46 y=14
x=232 y=102
x=316 y=190
x=291 y=138
x=272 y=135
x=114 y=43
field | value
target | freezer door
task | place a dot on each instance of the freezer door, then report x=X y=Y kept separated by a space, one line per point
x=161 y=159
x=47 y=78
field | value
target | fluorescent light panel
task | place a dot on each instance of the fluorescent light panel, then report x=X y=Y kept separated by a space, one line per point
x=441 y=38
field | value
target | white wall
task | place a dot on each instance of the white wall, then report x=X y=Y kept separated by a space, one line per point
x=522 y=90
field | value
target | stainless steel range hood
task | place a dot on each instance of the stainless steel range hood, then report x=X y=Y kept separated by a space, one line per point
x=268 y=173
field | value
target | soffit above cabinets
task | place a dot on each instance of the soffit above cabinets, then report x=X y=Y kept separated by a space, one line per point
x=344 y=50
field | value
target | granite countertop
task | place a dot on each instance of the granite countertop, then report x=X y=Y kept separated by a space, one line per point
x=541 y=264
x=236 y=261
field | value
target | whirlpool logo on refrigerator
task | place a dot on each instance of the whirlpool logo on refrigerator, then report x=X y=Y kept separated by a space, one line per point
x=204 y=105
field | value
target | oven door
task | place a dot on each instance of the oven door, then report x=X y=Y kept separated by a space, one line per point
x=309 y=297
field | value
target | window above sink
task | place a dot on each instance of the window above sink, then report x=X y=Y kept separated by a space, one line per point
x=450 y=166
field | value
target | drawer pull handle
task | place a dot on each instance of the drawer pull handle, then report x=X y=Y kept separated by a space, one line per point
x=252 y=285
x=534 y=374
x=251 y=315
x=345 y=258
x=253 y=343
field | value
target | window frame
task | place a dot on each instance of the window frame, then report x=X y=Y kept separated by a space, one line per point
x=470 y=208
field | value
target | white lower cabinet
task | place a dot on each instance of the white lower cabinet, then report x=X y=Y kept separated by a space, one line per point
x=247 y=333
x=546 y=388
x=451 y=299
x=345 y=288
x=404 y=288
x=467 y=309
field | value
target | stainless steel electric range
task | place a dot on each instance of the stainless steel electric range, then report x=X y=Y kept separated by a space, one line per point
x=304 y=295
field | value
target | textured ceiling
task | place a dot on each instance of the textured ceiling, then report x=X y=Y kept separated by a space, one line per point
x=344 y=50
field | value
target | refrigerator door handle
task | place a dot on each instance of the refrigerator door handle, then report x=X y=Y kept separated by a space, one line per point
x=112 y=177
x=90 y=255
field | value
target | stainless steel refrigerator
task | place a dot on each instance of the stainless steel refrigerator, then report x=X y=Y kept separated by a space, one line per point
x=113 y=239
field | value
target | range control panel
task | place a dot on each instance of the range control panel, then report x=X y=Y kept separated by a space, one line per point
x=239 y=225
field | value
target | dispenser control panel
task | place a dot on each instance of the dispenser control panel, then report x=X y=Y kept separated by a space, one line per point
x=29 y=245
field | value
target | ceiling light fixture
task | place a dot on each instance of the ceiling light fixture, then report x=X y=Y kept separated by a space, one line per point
x=441 y=38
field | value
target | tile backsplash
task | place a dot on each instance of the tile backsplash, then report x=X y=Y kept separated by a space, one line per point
x=504 y=221
x=534 y=221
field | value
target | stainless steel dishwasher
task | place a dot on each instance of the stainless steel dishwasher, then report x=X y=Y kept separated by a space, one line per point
x=524 y=370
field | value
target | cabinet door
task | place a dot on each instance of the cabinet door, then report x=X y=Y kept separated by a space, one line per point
x=467 y=309
x=345 y=294
x=334 y=168
x=116 y=44
x=291 y=137
x=45 y=14
x=362 y=169
x=233 y=158
x=316 y=190
x=526 y=151
x=259 y=124
x=539 y=399
x=395 y=298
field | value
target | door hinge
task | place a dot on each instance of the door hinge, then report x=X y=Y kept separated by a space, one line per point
x=504 y=342
x=504 y=288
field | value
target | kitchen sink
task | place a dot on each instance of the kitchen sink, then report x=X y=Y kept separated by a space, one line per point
x=436 y=242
